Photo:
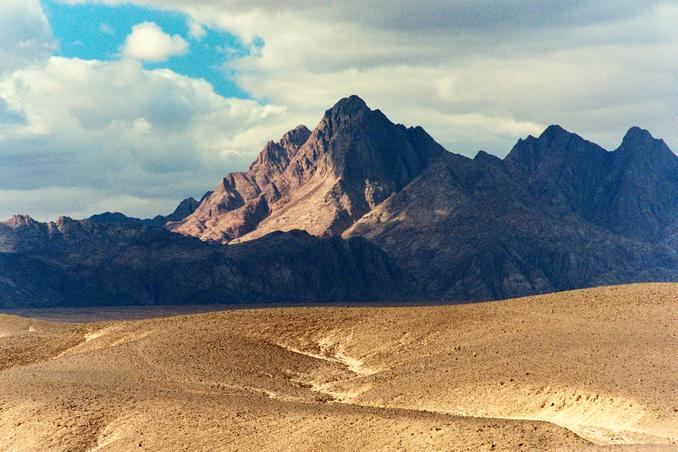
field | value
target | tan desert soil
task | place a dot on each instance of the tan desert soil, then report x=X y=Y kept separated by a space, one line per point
x=573 y=370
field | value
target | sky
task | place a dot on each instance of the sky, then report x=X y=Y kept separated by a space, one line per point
x=131 y=106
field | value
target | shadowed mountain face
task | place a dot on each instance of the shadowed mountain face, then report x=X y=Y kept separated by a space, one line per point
x=83 y=263
x=469 y=230
x=184 y=209
x=557 y=213
x=632 y=191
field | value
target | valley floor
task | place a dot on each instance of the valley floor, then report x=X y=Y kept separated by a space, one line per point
x=593 y=368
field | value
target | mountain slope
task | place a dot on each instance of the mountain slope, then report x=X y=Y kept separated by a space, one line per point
x=558 y=213
x=320 y=181
x=536 y=222
x=82 y=263
x=639 y=195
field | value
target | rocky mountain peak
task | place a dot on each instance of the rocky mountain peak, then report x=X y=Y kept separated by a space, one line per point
x=637 y=136
x=554 y=131
x=18 y=221
x=320 y=181
x=349 y=112
x=553 y=148
x=350 y=105
x=554 y=137
x=639 y=145
x=296 y=137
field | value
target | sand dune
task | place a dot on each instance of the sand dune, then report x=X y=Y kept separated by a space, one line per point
x=574 y=370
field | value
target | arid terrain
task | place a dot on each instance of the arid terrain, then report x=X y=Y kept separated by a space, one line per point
x=573 y=370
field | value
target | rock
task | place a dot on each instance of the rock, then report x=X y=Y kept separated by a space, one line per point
x=83 y=263
x=320 y=181
x=559 y=212
x=550 y=217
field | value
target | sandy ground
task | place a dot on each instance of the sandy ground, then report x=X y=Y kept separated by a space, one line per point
x=585 y=369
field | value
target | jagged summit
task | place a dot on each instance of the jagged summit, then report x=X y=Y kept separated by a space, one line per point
x=349 y=111
x=639 y=144
x=554 y=131
x=556 y=150
x=17 y=221
x=556 y=138
x=321 y=181
x=637 y=136
x=296 y=137
x=350 y=105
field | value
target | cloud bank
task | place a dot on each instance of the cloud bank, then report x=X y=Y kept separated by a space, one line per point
x=476 y=74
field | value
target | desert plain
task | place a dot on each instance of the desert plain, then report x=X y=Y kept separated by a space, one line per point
x=586 y=369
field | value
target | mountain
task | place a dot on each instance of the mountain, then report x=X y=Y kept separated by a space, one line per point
x=477 y=229
x=388 y=214
x=84 y=263
x=321 y=180
x=184 y=209
x=559 y=212
x=632 y=191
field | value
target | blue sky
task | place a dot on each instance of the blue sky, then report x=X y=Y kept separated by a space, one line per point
x=98 y=31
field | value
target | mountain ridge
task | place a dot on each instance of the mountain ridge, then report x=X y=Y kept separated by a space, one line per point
x=84 y=263
x=558 y=212
x=617 y=220
x=344 y=164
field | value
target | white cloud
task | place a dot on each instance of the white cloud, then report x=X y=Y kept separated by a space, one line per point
x=77 y=202
x=473 y=74
x=196 y=30
x=462 y=68
x=138 y=134
x=148 y=42
x=25 y=36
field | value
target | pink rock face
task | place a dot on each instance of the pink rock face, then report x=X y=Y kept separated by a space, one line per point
x=320 y=181
x=20 y=220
